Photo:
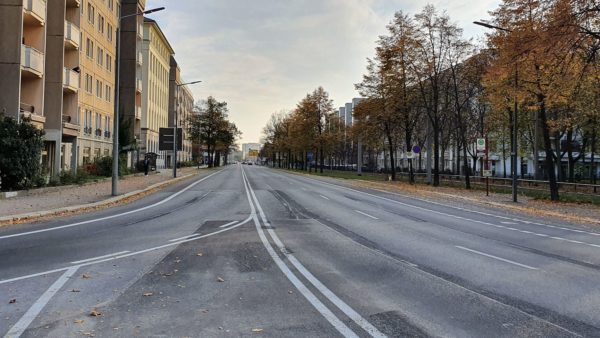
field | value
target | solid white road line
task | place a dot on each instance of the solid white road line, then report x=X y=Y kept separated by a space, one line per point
x=99 y=257
x=496 y=257
x=112 y=216
x=325 y=197
x=365 y=214
x=312 y=299
x=228 y=224
x=29 y=316
x=43 y=273
x=345 y=308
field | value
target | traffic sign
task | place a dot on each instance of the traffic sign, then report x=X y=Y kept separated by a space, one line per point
x=410 y=155
x=165 y=139
x=416 y=149
x=487 y=173
x=481 y=146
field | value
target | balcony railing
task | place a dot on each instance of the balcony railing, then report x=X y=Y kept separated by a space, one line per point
x=140 y=30
x=138 y=113
x=32 y=60
x=138 y=85
x=35 y=9
x=71 y=80
x=140 y=58
x=72 y=34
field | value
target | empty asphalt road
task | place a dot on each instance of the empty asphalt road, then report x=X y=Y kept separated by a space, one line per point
x=251 y=251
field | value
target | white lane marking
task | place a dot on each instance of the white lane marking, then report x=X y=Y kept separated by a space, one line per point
x=496 y=257
x=228 y=224
x=325 y=197
x=43 y=273
x=452 y=207
x=451 y=215
x=99 y=257
x=508 y=223
x=184 y=237
x=365 y=214
x=345 y=308
x=111 y=216
x=35 y=309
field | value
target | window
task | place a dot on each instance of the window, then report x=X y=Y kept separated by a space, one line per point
x=108 y=62
x=91 y=14
x=109 y=32
x=108 y=93
x=88 y=83
x=100 y=56
x=99 y=88
x=110 y=4
x=87 y=122
x=89 y=52
x=100 y=24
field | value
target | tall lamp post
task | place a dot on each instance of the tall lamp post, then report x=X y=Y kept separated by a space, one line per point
x=175 y=106
x=514 y=150
x=115 y=153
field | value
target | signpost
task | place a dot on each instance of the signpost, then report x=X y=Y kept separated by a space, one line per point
x=165 y=139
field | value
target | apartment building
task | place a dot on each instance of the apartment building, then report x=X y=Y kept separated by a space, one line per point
x=97 y=55
x=130 y=88
x=156 y=56
x=181 y=105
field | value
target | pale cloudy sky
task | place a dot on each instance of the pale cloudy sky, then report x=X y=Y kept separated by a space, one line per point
x=262 y=56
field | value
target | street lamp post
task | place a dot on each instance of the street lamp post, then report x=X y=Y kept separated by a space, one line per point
x=514 y=150
x=175 y=106
x=115 y=153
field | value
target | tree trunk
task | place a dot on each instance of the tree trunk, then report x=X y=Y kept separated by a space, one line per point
x=392 y=150
x=436 y=155
x=548 y=148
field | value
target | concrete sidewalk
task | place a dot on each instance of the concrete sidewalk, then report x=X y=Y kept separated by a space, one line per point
x=78 y=195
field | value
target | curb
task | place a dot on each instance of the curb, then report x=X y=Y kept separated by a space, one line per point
x=128 y=197
x=493 y=204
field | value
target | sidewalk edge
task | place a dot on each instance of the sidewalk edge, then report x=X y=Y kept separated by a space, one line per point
x=64 y=211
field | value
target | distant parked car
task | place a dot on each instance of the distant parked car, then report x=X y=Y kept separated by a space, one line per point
x=249 y=163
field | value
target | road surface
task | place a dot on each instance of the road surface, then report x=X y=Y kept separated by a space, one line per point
x=251 y=251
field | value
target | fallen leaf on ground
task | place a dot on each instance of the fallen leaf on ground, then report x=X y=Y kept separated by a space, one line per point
x=220 y=280
x=75 y=290
x=290 y=292
x=86 y=276
x=178 y=261
x=12 y=301
x=95 y=313
x=78 y=321
x=147 y=294
x=199 y=254
x=257 y=330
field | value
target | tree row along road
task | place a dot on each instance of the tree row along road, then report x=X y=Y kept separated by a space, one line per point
x=251 y=250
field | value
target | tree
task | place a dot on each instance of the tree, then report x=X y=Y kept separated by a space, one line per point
x=21 y=146
x=209 y=127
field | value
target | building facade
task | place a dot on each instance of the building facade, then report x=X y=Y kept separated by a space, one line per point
x=156 y=65
x=181 y=106
x=99 y=22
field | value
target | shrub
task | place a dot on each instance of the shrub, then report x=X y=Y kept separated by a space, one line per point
x=21 y=146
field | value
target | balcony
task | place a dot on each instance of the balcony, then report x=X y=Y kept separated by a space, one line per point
x=73 y=3
x=138 y=113
x=71 y=36
x=138 y=85
x=32 y=61
x=140 y=58
x=70 y=126
x=70 y=81
x=34 y=12
x=140 y=30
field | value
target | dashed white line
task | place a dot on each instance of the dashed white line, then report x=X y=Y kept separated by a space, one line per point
x=99 y=257
x=365 y=214
x=496 y=257
x=324 y=197
x=228 y=224
x=184 y=237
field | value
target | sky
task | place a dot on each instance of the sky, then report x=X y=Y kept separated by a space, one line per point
x=263 y=56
